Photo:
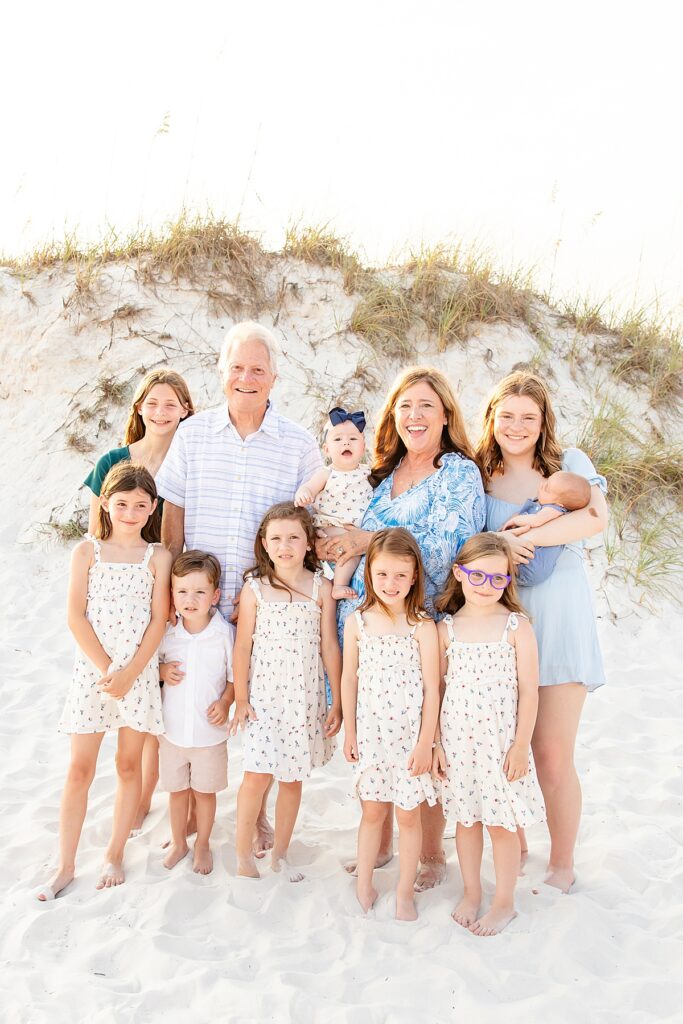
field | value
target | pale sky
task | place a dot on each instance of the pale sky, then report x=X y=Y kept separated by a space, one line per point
x=543 y=131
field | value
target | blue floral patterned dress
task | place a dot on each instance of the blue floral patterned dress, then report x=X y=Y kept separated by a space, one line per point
x=441 y=512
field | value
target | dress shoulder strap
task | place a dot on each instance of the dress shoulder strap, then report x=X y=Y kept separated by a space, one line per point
x=148 y=554
x=96 y=546
x=256 y=587
x=359 y=620
x=448 y=619
x=511 y=624
x=415 y=628
x=317 y=579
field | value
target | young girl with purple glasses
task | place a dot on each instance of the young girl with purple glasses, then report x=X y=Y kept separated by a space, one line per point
x=489 y=671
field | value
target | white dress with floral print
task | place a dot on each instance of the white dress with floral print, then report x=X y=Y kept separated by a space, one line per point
x=388 y=719
x=478 y=725
x=287 y=690
x=119 y=607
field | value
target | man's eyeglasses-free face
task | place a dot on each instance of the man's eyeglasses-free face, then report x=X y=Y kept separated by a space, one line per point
x=478 y=577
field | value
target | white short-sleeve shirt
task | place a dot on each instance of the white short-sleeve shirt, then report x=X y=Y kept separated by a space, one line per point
x=206 y=660
x=226 y=484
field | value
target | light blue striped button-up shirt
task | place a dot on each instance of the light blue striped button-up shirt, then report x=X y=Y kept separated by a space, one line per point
x=226 y=484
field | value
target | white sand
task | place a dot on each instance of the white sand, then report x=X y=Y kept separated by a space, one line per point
x=175 y=946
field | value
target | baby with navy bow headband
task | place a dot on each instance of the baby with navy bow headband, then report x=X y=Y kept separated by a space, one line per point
x=340 y=493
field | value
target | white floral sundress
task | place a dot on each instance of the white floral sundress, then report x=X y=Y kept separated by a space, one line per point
x=287 y=690
x=388 y=719
x=478 y=725
x=119 y=608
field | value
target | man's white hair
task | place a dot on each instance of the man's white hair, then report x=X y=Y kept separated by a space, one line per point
x=248 y=330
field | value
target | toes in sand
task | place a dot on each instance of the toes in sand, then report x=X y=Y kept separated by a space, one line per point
x=175 y=855
x=431 y=874
x=466 y=911
x=202 y=862
x=112 y=875
x=493 y=922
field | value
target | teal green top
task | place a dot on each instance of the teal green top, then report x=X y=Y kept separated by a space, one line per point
x=95 y=479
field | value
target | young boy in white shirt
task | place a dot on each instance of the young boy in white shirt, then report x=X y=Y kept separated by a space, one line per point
x=196 y=656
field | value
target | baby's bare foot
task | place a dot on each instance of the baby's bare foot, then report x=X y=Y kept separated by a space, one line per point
x=202 y=862
x=560 y=878
x=246 y=867
x=494 y=921
x=57 y=883
x=175 y=854
x=112 y=874
x=405 y=908
x=340 y=593
x=279 y=862
x=366 y=897
x=432 y=873
x=263 y=837
x=466 y=911
x=383 y=857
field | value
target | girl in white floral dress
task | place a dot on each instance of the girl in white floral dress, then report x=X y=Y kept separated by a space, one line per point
x=390 y=699
x=286 y=641
x=482 y=755
x=117 y=608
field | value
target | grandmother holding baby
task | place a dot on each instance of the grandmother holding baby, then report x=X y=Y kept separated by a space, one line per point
x=424 y=478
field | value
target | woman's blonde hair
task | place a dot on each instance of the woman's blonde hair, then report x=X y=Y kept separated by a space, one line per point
x=401 y=543
x=264 y=567
x=135 y=428
x=390 y=449
x=548 y=454
x=479 y=546
x=128 y=476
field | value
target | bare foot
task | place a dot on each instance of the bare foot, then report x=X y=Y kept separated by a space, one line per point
x=57 y=883
x=202 y=862
x=340 y=593
x=112 y=874
x=189 y=831
x=175 y=854
x=246 y=867
x=432 y=873
x=383 y=857
x=366 y=897
x=494 y=921
x=466 y=911
x=560 y=878
x=138 y=822
x=405 y=908
x=280 y=863
x=263 y=837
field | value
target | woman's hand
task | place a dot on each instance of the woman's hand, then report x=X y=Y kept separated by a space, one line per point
x=516 y=763
x=116 y=684
x=522 y=550
x=244 y=713
x=339 y=549
x=170 y=673
x=439 y=763
x=333 y=721
x=420 y=761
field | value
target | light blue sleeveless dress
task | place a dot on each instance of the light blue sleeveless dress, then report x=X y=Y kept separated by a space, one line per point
x=561 y=608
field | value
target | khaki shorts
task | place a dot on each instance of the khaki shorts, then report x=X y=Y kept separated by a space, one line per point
x=204 y=769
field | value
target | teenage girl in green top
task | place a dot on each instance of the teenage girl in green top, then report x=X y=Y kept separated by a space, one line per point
x=161 y=401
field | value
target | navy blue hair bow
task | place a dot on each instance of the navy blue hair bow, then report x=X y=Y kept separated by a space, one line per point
x=339 y=415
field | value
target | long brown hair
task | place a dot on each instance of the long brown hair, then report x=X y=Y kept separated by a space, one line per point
x=479 y=546
x=264 y=568
x=129 y=476
x=390 y=449
x=548 y=454
x=135 y=428
x=399 y=542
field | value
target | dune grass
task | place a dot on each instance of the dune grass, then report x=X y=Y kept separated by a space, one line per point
x=383 y=317
x=318 y=244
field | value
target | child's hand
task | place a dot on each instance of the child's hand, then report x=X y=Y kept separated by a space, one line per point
x=516 y=763
x=439 y=763
x=333 y=721
x=350 y=746
x=243 y=713
x=304 y=496
x=116 y=684
x=420 y=761
x=170 y=673
x=217 y=713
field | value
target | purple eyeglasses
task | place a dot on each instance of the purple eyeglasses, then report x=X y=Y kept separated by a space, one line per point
x=478 y=577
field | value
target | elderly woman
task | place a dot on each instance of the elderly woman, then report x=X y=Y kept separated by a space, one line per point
x=426 y=480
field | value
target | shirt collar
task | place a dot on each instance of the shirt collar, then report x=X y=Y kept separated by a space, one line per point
x=211 y=628
x=269 y=425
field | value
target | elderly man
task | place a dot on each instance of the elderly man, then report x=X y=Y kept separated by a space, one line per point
x=228 y=465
